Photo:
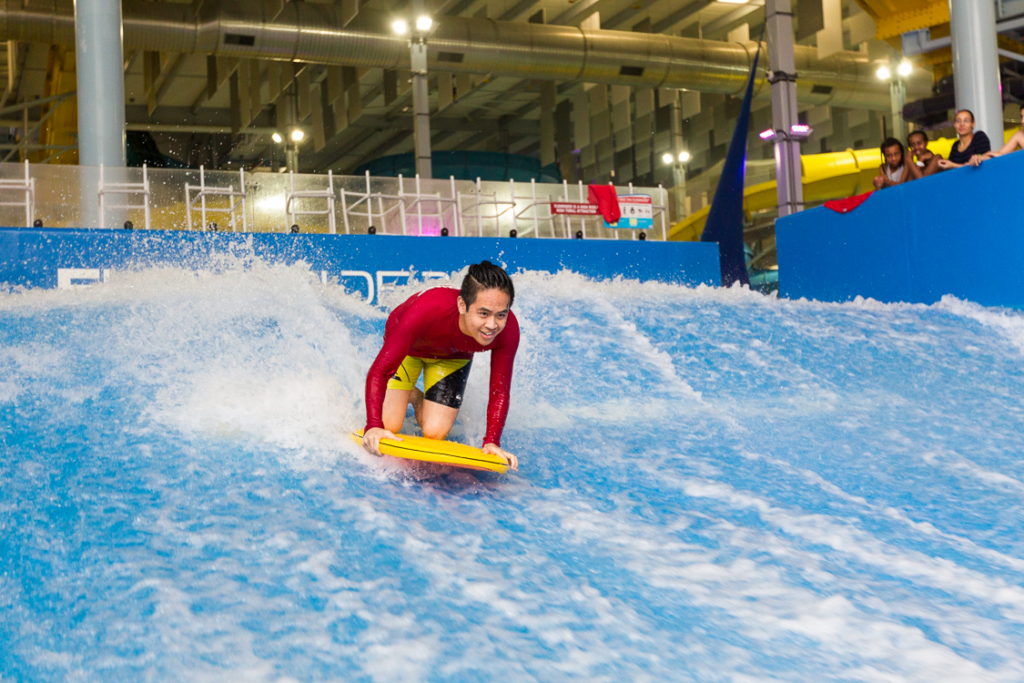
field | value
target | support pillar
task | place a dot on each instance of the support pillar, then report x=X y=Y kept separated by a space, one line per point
x=99 y=61
x=421 y=106
x=291 y=148
x=976 y=64
x=782 y=76
x=677 y=194
x=898 y=92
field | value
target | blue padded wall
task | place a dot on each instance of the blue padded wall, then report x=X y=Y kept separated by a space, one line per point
x=959 y=232
x=33 y=257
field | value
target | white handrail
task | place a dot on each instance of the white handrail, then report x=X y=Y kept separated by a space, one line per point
x=124 y=189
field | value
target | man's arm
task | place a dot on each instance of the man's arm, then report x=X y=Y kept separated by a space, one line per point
x=397 y=343
x=502 y=359
x=1016 y=141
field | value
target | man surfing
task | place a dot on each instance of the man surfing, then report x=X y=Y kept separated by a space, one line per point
x=436 y=332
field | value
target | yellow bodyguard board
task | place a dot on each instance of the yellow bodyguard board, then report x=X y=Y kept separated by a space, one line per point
x=440 y=452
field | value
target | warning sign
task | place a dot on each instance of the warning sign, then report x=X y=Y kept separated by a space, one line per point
x=573 y=209
x=636 y=212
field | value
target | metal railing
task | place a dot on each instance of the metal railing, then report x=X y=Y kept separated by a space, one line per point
x=231 y=202
x=168 y=199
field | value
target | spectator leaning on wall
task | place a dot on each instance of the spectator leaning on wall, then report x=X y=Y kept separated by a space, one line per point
x=971 y=146
x=1015 y=142
x=927 y=160
x=895 y=169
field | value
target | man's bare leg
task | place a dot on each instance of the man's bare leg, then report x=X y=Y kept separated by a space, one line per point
x=435 y=419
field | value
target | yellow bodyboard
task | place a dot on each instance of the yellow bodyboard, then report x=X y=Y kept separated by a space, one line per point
x=440 y=452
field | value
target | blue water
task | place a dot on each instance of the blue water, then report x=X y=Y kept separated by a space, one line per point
x=714 y=486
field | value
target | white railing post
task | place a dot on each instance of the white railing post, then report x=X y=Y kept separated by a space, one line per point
x=401 y=201
x=28 y=188
x=419 y=206
x=533 y=195
x=202 y=193
x=125 y=188
x=479 y=218
x=457 y=210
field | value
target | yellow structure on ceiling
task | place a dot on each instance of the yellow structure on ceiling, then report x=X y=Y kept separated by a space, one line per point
x=895 y=17
x=60 y=127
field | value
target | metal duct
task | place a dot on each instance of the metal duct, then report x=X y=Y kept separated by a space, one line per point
x=308 y=32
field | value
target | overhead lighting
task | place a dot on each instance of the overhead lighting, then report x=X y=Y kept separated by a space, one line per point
x=400 y=26
x=905 y=68
x=883 y=73
x=667 y=158
x=276 y=137
x=767 y=135
x=684 y=156
x=297 y=135
x=424 y=23
x=733 y=2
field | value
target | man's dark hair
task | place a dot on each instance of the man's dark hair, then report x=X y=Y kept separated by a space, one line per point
x=483 y=276
x=917 y=132
x=892 y=142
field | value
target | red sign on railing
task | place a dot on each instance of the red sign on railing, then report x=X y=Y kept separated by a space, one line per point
x=574 y=209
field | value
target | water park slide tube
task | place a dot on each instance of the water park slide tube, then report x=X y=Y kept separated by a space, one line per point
x=825 y=176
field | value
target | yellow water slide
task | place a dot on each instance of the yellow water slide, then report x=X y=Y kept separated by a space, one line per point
x=825 y=176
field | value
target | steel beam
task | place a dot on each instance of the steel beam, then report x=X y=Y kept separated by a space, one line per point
x=782 y=75
x=976 y=63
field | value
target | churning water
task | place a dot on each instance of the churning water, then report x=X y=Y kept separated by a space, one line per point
x=714 y=486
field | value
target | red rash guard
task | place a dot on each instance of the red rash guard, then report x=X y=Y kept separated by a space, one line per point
x=427 y=326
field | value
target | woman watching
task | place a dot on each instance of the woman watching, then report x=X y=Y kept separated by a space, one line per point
x=972 y=144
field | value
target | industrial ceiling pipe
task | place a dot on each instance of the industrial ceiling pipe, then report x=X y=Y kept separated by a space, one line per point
x=314 y=33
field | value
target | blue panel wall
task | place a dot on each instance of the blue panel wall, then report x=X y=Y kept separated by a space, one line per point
x=959 y=232
x=33 y=257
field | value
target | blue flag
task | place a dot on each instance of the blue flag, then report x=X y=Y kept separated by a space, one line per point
x=725 y=218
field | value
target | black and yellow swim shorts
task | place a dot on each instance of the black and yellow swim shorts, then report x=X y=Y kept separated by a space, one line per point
x=444 y=379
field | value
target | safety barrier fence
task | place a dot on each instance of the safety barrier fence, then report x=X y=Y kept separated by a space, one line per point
x=239 y=201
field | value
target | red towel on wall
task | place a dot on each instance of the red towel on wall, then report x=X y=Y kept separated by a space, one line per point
x=849 y=204
x=607 y=201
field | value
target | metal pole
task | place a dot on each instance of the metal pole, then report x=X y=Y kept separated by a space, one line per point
x=100 y=73
x=976 y=64
x=782 y=76
x=420 y=105
x=898 y=90
x=291 y=150
x=678 y=196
